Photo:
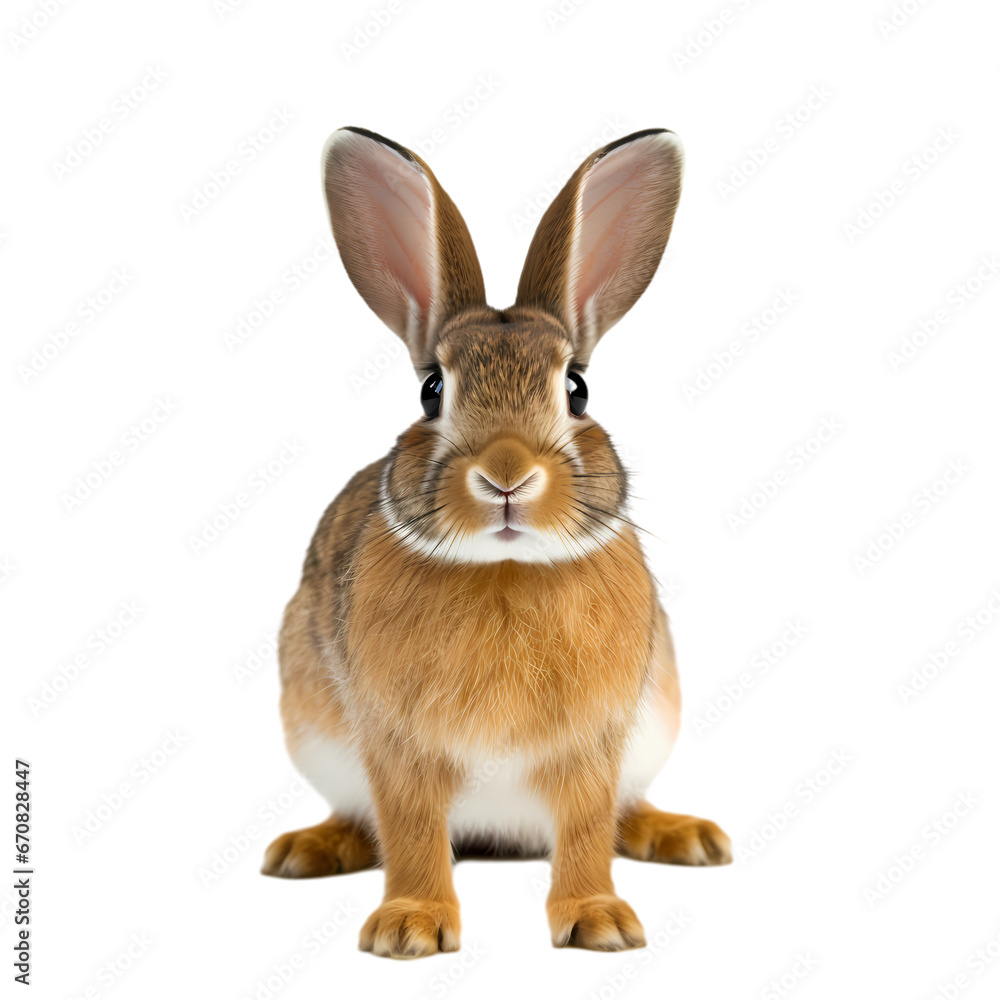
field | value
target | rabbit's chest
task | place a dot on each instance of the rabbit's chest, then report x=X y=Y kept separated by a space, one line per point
x=501 y=656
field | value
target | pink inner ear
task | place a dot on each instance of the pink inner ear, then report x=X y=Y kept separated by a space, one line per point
x=389 y=205
x=400 y=220
x=621 y=197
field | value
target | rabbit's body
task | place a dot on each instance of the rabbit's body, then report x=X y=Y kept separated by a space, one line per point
x=520 y=668
x=476 y=654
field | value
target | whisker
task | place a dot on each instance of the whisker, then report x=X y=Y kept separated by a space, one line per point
x=610 y=513
x=403 y=525
x=396 y=449
x=405 y=530
x=458 y=450
x=603 y=524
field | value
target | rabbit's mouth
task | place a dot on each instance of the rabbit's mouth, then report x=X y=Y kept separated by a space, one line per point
x=508 y=534
x=510 y=492
x=512 y=527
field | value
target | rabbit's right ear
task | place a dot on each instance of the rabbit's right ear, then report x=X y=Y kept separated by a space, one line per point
x=403 y=242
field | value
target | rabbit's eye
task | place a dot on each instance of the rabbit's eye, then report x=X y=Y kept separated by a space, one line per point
x=430 y=394
x=576 y=389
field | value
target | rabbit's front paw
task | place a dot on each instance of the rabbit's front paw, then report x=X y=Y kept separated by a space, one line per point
x=411 y=928
x=603 y=923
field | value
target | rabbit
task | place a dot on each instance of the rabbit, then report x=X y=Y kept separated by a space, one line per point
x=476 y=654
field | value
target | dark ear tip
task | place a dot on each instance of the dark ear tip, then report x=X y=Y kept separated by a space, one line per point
x=642 y=134
x=382 y=140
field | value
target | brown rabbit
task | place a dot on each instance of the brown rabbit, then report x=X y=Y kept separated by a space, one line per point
x=476 y=652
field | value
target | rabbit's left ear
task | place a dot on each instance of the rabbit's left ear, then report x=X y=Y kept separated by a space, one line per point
x=599 y=243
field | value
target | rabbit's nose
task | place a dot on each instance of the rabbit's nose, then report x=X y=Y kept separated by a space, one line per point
x=506 y=471
x=492 y=488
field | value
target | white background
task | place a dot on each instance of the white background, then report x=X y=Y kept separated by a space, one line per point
x=549 y=86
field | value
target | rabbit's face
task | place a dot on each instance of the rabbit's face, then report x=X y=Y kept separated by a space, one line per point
x=508 y=466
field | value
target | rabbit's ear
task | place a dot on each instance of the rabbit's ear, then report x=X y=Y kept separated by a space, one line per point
x=404 y=244
x=599 y=243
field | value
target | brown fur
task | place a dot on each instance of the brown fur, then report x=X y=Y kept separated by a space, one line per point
x=334 y=847
x=421 y=662
x=646 y=834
